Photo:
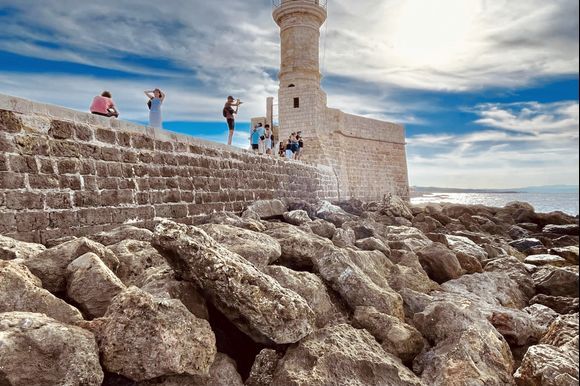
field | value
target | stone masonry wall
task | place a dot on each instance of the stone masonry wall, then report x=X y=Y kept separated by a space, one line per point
x=63 y=172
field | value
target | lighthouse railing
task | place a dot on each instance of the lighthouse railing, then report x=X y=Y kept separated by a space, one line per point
x=322 y=3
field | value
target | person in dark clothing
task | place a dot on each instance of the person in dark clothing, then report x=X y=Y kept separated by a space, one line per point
x=298 y=154
x=229 y=114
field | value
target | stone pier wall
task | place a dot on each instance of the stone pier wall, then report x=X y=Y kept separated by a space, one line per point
x=64 y=172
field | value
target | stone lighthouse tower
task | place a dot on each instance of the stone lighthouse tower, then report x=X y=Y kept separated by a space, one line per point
x=301 y=101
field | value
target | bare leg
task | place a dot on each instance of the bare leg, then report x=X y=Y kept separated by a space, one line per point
x=230 y=137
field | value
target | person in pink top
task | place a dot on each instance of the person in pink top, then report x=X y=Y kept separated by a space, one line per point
x=104 y=105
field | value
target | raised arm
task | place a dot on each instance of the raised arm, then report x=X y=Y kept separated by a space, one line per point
x=162 y=95
x=149 y=94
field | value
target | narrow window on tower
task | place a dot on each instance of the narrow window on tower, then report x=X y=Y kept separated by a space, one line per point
x=296 y=103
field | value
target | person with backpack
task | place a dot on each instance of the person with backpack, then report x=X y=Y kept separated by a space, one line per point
x=229 y=114
x=156 y=98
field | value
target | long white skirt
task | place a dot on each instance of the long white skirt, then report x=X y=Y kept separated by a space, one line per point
x=155 y=119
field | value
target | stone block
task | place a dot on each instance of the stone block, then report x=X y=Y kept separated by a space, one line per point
x=31 y=144
x=115 y=169
x=163 y=146
x=62 y=148
x=83 y=132
x=7 y=222
x=10 y=180
x=124 y=139
x=68 y=166
x=129 y=156
x=69 y=182
x=61 y=129
x=84 y=199
x=95 y=216
x=107 y=136
x=58 y=200
x=108 y=183
x=23 y=163
x=171 y=211
x=24 y=200
x=142 y=142
x=3 y=163
x=116 y=197
x=63 y=220
x=87 y=167
x=87 y=150
x=6 y=144
x=110 y=154
x=10 y=122
x=31 y=221
x=39 y=181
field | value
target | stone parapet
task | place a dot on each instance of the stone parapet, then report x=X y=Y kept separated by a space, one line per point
x=65 y=172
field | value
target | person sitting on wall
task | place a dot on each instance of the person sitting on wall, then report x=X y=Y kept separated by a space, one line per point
x=229 y=113
x=281 y=149
x=103 y=105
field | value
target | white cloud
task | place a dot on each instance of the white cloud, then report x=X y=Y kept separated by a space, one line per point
x=524 y=144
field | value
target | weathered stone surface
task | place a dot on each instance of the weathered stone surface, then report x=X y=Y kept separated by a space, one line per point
x=440 y=263
x=225 y=218
x=401 y=276
x=14 y=249
x=258 y=248
x=22 y=291
x=135 y=257
x=464 y=246
x=163 y=282
x=50 y=265
x=570 y=229
x=373 y=244
x=557 y=281
x=413 y=238
x=343 y=238
x=466 y=349
x=250 y=299
x=356 y=286
x=540 y=260
x=341 y=355
x=263 y=369
x=548 y=365
x=163 y=336
x=124 y=232
x=297 y=217
x=396 y=337
x=311 y=288
x=394 y=206
x=544 y=316
x=516 y=270
x=517 y=232
x=560 y=304
x=268 y=208
x=562 y=330
x=38 y=350
x=298 y=247
x=321 y=228
x=92 y=285
x=569 y=253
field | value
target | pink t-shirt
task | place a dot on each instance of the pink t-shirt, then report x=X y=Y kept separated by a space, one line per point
x=101 y=104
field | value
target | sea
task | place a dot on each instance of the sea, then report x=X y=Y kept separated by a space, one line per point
x=542 y=202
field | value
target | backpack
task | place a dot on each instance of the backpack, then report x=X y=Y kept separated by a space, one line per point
x=225 y=112
x=149 y=104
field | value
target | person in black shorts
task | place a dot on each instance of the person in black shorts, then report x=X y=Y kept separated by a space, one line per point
x=298 y=154
x=229 y=114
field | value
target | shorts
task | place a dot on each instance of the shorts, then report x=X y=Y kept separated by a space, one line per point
x=289 y=153
x=255 y=146
x=231 y=124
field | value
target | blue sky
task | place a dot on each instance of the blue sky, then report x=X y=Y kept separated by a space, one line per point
x=487 y=90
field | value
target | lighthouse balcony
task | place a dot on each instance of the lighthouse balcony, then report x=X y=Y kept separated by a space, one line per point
x=279 y=3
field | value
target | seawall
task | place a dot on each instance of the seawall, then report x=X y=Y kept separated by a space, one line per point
x=65 y=172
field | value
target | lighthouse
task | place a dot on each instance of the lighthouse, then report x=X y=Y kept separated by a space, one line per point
x=301 y=101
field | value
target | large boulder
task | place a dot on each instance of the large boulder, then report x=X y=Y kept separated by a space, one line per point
x=570 y=253
x=560 y=304
x=396 y=337
x=135 y=257
x=22 y=291
x=562 y=330
x=413 y=239
x=373 y=244
x=557 y=281
x=38 y=350
x=545 y=259
x=258 y=248
x=311 y=288
x=263 y=369
x=321 y=228
x=226 y=218
x=92 y=285
x=298 y=248
x=527 y=244
x=440 y=263
x=124 y=232
x=297 y=217
x=50 y=265
x=401 y=276
x=343 y=238
x=358 y=286
x=548 y=365
x=469 y=254
x=163 y=282
x=467 y=350
x=141 y=337
x=516 y=270
x=543 y=315
x=13 y=249
x=267 y=208
x=570 y=229
x=341 y=355
x=250 y=299
x=333 y=214
x=395 y=206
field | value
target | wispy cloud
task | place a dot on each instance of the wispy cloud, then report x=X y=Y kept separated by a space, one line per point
x=523 y=143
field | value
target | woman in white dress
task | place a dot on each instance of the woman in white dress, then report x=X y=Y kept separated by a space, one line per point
x=156 y=98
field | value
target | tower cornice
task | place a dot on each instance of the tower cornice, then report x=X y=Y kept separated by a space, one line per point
x=290 y=7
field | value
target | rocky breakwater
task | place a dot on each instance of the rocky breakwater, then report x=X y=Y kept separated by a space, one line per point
x=299 y=293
